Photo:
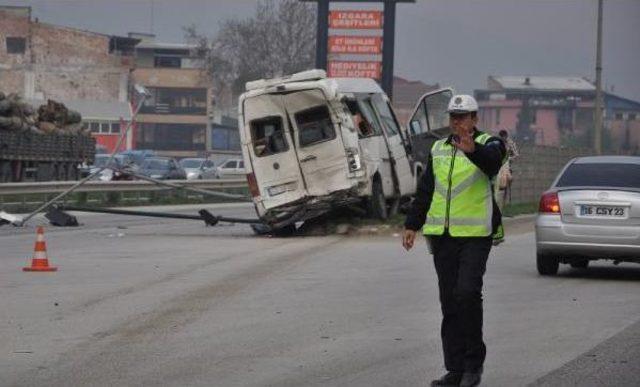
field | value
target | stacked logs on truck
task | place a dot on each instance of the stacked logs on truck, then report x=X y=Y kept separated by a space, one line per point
x=51 y=118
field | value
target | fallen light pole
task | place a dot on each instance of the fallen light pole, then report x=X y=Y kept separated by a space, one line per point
x=208 y=218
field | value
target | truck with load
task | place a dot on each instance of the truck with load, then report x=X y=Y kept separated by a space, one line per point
x=49 y=143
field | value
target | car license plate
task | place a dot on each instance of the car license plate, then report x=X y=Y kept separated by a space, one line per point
x=602 y=211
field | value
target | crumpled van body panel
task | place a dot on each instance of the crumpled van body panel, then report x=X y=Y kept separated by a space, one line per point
x=274 y=164
x=296 y=146
x=321 y=151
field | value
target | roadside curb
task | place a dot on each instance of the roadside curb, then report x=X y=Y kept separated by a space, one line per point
x=613 y=362
x=518 y=219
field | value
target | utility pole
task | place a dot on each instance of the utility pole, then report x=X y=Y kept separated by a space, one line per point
x=597 y=141
x=152 y=16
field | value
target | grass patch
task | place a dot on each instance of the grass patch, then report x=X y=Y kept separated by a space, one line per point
x=514 y=209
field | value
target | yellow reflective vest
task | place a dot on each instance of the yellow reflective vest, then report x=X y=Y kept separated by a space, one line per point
x=462 y=198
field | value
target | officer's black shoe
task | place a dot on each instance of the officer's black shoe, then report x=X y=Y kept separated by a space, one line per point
x=451 y=379
x=470 y=379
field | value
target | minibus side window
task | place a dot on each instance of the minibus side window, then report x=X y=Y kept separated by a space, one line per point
x=367 y=111
x=267 y=136
x=386 y=116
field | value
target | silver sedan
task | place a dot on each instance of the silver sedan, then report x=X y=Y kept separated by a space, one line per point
x=198 y=169
x=590 y=212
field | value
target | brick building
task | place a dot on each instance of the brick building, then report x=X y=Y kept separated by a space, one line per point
x=84 y=70
x=557 y=111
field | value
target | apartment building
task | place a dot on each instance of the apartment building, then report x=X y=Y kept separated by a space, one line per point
x=178 y=119
x=557 y=111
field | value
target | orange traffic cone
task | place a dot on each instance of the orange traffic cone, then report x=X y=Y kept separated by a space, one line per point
x=40 y=262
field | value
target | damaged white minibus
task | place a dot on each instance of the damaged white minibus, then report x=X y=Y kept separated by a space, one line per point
x=312 y=143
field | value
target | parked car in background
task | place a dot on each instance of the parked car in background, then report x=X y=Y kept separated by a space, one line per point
x=198 y=168
x=591 y=211
x=116 y=170
x=162 y=168
x=232 y=168
x=138 y=156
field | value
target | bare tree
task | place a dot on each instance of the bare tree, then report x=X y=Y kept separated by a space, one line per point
x=279 y=39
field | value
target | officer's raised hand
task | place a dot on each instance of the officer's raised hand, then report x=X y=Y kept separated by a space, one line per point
x=464 y=142
x=462 y=125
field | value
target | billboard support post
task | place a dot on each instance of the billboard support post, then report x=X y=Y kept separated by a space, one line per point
x=322 y=35
x=388 y=40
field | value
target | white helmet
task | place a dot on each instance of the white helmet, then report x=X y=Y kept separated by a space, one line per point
x=462 y=103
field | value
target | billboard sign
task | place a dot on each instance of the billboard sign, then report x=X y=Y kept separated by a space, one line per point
x=352 y=69
x=346 y=19
x=339 y=44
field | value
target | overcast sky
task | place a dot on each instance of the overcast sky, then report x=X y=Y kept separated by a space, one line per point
x=451 y=42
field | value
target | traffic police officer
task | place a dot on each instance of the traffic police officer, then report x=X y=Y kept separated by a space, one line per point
x=455 y=196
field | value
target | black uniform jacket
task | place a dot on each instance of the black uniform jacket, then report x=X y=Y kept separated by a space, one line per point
x=488 y=158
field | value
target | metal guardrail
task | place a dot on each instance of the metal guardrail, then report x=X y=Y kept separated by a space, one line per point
x=120 y=186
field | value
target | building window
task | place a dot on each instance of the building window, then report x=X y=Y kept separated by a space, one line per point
x=173 y=137
x=173 y=100
x=167 y=61
x=497 y=116
x=225 y=138
x=534 y=116
x=631 y=116
x=16 y=45
x=565 y=119
x=103 y=127
x=619 y=116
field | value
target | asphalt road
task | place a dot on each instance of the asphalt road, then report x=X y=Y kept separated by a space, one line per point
x=155 y=302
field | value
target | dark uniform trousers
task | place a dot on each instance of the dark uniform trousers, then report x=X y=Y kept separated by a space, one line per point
x=460 y=264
